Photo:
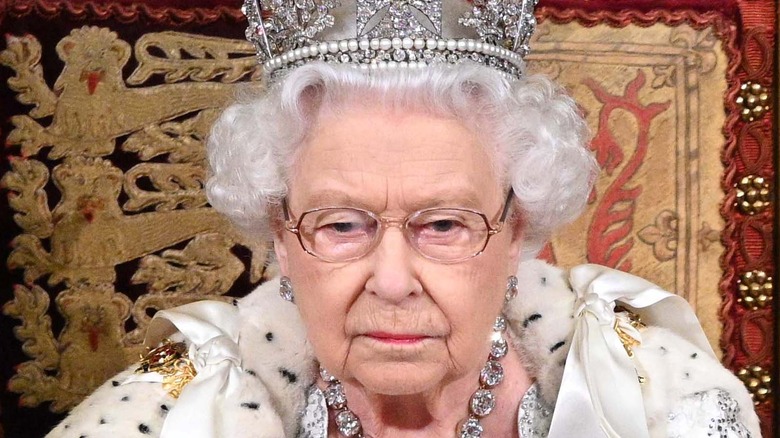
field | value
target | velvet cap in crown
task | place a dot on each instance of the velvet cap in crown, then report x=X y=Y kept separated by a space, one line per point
x=387 y=34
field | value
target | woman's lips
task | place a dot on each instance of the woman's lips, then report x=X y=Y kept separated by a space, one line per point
x=396 y=338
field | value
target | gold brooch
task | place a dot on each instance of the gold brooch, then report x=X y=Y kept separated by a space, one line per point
x=169 y=361
x=628 y=341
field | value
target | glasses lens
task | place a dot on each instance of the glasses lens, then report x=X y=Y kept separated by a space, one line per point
x=448 y=234
x=338 y=234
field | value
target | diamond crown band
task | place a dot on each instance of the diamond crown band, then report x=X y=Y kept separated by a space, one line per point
x=390 y=33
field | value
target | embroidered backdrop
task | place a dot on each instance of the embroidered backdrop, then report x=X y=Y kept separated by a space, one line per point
x=105 y=106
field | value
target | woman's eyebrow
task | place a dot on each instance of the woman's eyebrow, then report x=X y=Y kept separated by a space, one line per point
x=333 y=198
x=449 y=197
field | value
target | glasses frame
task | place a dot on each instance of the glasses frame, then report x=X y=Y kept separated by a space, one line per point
x=294 y=226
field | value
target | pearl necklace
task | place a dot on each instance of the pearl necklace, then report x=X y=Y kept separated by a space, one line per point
x=481 y=403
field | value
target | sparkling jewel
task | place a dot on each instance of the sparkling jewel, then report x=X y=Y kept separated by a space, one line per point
x=334 y=395
x=511 y=287
x=326 y=376
x=286 y=289
x=471 y=428
x=500 y=324
x=348 y=423
x=482 y=402
x=492 y=374
x=498 y=348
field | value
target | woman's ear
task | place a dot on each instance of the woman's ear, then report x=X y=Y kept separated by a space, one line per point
x=279 y=234
x=515 y=226
x=280 y=243
x=280 y=249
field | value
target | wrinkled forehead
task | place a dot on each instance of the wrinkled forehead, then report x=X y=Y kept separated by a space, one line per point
x=390 y=160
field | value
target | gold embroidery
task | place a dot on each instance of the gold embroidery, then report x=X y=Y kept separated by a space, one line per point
x=147 y=219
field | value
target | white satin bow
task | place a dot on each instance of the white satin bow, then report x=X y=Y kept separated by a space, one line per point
x=600 y=393
x=211 y=330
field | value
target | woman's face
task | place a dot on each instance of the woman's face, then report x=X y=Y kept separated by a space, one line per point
x=393 y=321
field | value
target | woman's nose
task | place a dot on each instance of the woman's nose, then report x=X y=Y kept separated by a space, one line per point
x=394 y=276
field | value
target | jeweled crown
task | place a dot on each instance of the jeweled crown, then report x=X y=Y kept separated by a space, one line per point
x=390 y=33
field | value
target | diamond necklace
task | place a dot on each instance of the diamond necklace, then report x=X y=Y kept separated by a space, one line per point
x=481 y=403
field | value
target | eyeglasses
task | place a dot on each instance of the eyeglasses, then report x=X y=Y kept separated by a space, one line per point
x=344 y=234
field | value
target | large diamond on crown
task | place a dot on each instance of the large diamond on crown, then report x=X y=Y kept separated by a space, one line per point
x=505 y=23
x=398 y=18
x=281 y=25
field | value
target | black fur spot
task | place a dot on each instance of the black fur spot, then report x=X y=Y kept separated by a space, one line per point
x=164 y=409
x=251 y=405
x=235 y=302
x=557 y=346
x=664 y=350
x=114 y=383
x=125 y=398
x=292 y=378
x=544 y=281
x=531 y=319
x=66 y=426
x=269 y=336
x=251 y=373
x=687 y=375
x=144 y=429
x=102 y=421
x=82 y=436
x=694 y=355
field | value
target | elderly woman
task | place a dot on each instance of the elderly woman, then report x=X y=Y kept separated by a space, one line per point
x=405 y=204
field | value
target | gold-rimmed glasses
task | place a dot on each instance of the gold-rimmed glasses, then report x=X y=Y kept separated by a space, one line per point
x=344 y=234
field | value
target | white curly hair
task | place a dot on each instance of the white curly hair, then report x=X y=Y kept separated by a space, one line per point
x=537 y=136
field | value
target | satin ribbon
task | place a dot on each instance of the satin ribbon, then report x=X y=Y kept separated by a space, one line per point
x=600 y=393
x=211 y=329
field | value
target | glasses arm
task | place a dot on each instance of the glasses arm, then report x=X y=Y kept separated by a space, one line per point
x=285 y=211
x=504 y=213
x=287 y=221
x=507 y=204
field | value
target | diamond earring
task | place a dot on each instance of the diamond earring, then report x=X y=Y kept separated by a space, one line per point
x=511 y=288
x=286 y=289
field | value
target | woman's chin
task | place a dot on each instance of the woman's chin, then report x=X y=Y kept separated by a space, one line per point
x=396 y=379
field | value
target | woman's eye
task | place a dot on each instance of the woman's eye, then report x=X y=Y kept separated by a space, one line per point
x=343 y=227
x=442 y=226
